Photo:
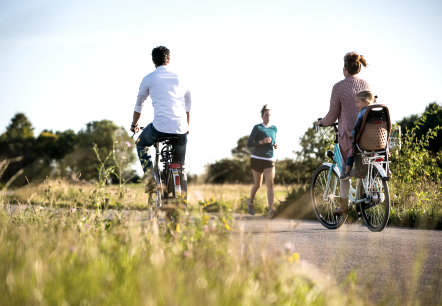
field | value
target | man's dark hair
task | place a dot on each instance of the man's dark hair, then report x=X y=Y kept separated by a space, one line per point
x=160 y=55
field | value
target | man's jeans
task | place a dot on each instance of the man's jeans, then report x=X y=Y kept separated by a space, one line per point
x=148 y=137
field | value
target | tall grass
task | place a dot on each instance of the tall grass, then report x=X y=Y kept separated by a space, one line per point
x=81 y=257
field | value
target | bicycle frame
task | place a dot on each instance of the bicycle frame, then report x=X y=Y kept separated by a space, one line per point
x=336 y=166
x=168 y=167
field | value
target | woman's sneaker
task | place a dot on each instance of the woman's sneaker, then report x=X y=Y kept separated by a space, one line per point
x=251 y=210
x=272 y=214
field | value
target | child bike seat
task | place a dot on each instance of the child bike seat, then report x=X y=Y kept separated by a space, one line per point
x=375 y=128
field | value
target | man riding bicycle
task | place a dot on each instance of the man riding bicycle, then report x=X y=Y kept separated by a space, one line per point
x=171 y=101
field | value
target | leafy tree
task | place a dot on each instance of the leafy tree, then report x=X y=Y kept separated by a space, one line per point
x=241 y=151
x=235 y=169
x=314 y=145
x=18 y=139
x=47 y=145
x=101 y=134
x=65 y=143
x=19 y=128
x=433 y=118
x=229 y=170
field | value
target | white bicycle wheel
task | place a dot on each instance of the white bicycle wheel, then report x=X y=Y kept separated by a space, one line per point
x=375 y=210
x=324 y=206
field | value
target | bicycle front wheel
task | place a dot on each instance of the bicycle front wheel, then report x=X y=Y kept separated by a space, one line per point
x=325 y=200
x=375 y=210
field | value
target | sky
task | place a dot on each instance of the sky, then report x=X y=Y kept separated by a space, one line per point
x=67 y=63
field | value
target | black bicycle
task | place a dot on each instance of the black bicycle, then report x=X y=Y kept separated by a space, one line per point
x=167 y=194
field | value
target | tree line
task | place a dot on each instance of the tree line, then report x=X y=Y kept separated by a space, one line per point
x=299 y=169
x=66 y=154
x=60 y=154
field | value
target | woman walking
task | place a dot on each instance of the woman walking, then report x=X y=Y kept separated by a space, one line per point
x=343 y=108
x=263 y=139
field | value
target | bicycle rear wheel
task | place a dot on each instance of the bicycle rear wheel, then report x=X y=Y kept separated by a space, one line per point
x=375 y=210
x=169 y=187
x=324 y=206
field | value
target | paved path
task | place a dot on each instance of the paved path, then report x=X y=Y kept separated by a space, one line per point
x=383 y=259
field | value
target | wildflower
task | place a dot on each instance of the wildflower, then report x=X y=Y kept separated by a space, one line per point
x=206 y=219
x=288 y=246
x=296 y=257
x=128 y=144
x=213 y=227
x=212 y=199
x=72 y=209
x=227 y=227
x=178 y=230
x=206 y=228
x=187 y=254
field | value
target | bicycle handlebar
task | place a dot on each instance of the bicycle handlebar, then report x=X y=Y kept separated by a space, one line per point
x=334 y=125
x=141 y=128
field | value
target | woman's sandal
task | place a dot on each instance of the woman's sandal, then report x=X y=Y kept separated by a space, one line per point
x=251 y=210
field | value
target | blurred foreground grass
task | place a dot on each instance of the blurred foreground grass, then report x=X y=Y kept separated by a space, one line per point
x=85 y=254
x=81 y=257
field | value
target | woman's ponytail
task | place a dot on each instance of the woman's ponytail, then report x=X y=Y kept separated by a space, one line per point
x=264 y=109
x=362 y=60
x=353 y=62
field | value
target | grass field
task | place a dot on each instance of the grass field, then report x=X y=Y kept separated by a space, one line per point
x=80 y=256
x=63 y=194
x=423 y=209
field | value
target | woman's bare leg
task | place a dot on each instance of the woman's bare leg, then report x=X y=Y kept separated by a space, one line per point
x=269 y=174
x=257 y=179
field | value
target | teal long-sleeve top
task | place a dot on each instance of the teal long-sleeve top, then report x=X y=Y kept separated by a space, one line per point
x=260 y=132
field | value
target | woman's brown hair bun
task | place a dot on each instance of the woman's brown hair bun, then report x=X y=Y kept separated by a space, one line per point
x=353 y=62
x=264 y=109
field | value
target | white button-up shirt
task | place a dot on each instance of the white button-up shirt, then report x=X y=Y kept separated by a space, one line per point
x=170 y=99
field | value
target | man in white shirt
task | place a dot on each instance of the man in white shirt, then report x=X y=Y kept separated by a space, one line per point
x=171 y=101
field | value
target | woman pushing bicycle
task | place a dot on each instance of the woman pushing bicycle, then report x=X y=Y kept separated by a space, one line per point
x=343 y=108
x=263 y=139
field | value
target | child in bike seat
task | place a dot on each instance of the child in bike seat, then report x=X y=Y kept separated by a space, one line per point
x=363 y=99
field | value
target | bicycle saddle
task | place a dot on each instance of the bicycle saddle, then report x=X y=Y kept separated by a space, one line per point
x=170 y=138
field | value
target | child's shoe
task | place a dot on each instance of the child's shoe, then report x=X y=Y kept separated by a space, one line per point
x=345 y=177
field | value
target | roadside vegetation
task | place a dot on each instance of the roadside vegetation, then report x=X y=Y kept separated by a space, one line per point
x=70 y=241
x=415 y=187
